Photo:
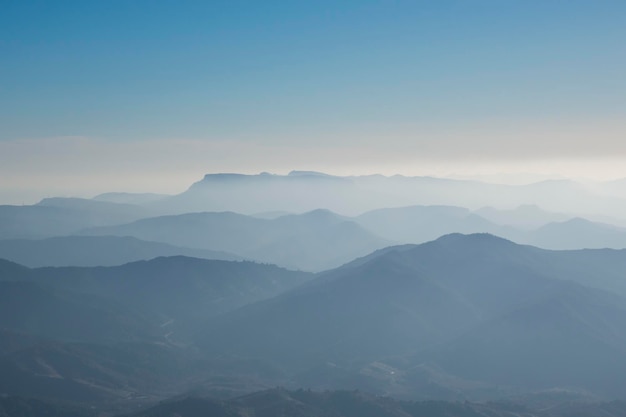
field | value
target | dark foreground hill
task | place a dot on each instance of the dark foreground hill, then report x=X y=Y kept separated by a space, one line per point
x=119 y=335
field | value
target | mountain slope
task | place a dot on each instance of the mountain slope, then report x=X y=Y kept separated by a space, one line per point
x=175 y=290
x=39 y=310
x=408 y=301
x=572 y=338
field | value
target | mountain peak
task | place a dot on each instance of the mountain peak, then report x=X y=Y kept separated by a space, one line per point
x=471 y=238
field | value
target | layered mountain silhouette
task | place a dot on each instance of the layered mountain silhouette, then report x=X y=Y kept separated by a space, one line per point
x=113 y=334
x=302 y=191
x=417 y=224
x=460 y=317
x=167 y=288
x=63 y=216
x=95 y=251
x=311 y=241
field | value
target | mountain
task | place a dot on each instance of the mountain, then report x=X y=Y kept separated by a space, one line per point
x=95 y=251
x=504 y=305
x=63 y=216
x=311 y=241
x=370 y=307
x=525 y=217
x=571 y=337
x=526 y=224
x=418 y=224
x=39 y=310
x=170 y=291
x=297 y=192
x=578 y=233
x=121 y=336
x=302 y=191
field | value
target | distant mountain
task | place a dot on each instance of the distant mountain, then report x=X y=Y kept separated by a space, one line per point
x=303 y=191
x=297 y=192
x=524 y=217
x=122 y=335
x=578 y=233
x=95 y=251
x=312 y=241
x=418 y=224
x=421 y=301
x=130 y=198
x=63 y=216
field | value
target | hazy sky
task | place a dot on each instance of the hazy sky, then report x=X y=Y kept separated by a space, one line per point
x=150 y=95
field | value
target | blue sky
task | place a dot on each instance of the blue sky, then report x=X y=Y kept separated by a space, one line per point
x=345 y=86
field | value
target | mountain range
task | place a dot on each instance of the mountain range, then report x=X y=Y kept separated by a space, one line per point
x=462 y=317
x=453 y=297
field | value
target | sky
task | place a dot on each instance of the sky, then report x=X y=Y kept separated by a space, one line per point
x=148 y=96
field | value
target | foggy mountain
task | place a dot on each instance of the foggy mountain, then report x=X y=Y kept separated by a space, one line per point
x=311 y=241
x=107 y=335
x=418 y=224
x=458 y=291
x=167 y=289
x=524 y=217
x=130 y=198
x=578 y=233
x=448 y=319
x=63 y=216
x=302 y=191
x=312 y=209
x=95 y=251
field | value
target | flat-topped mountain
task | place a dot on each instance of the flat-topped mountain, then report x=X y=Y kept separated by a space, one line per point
x=302 y=191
